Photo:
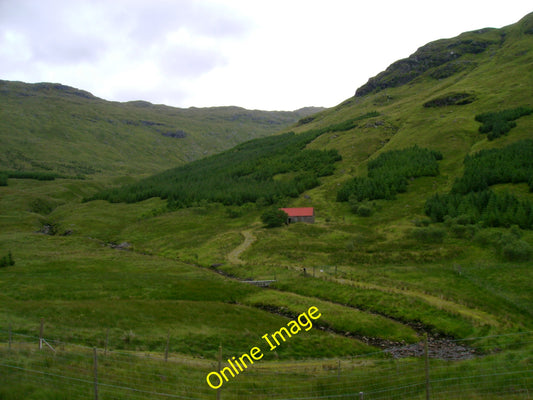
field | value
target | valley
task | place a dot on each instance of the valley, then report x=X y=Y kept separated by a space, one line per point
x=144 y=254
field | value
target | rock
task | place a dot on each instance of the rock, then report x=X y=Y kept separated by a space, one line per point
x=178 y=134
x=121 y=246
x=443 y=349
x=432 y=55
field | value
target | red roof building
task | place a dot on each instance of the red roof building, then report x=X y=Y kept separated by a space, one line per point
x=302 y=214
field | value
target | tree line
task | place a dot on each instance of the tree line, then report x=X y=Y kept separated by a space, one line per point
x=41 y=176
x=268 y=168
x=490 y=208
x=511 y=164
x=498 y=123
x=471 y=196
x=389 y=173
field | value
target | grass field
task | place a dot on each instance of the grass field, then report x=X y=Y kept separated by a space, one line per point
x=82 y=284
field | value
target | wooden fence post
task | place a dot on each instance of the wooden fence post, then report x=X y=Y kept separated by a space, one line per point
x=106 y=341
x=219 y=367
x=166 y=348
x=426 y=356
x=95 y=362
x=41 y=330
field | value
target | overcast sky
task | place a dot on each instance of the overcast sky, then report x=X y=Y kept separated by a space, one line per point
x=271 y=55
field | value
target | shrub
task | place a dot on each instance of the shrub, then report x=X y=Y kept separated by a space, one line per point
x=7 y=261
x=507 y=244
x=465 y=219
x=420 y=222
x=463 y=231
x=364 y=210
x=3 y=179
x=515 y=231
x=430 y=234
x=488 y=238
x=462 y=226
x=234 y=212
x=274 y=217
x=517 y=250
x=41 y=206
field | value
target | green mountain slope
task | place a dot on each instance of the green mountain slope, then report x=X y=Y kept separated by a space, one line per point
x=403 y=139
x=431 y=99
x=55 y=127
x=417 y=183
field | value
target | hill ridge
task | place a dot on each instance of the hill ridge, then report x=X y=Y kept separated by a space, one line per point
x=84 y=134
x=444 y=53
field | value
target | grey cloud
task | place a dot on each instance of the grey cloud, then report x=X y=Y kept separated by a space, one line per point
x=120 y=49
x=71 y=50
x=74 y=31
x=49 y=31
x=154 y=19
x=189 y=61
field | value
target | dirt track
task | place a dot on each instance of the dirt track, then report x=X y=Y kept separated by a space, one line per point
x=233 y=256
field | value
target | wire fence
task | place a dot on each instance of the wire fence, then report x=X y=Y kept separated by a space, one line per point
x=38 y=368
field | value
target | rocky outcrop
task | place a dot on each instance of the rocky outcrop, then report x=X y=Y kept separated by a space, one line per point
x=179 y=134
x=451 y=99
x=443 y=53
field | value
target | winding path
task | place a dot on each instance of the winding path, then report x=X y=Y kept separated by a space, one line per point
x=233 y=256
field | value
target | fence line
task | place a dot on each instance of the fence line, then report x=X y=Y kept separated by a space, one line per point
x=294 y=362
x=81 y=372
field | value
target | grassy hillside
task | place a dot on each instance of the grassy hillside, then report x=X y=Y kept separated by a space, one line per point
x=387 y=260
x=372 y=226
x=52 y=127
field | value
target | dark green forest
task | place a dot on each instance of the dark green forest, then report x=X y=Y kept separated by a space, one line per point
x=389 y=174
x=472 y=197
x=268 y=169
x=496 y=124
x=41 y=176
x=265 y=170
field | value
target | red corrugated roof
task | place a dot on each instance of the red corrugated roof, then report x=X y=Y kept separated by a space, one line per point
x=299 y=212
